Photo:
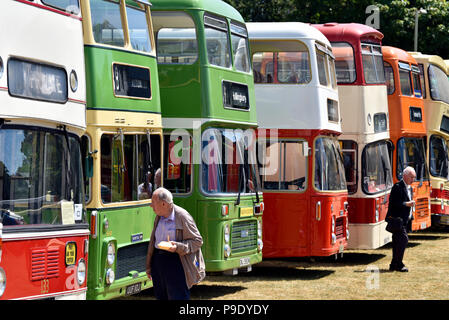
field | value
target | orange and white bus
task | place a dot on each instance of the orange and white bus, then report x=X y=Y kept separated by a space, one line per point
x=302 y=171
x=365 y=138
x=408 y=128
x=435 y=85
x=44 y=246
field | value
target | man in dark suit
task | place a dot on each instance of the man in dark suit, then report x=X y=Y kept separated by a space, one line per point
x=400 y=205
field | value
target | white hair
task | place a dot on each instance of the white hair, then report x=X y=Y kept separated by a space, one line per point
x=164 y=195
x=408 y=170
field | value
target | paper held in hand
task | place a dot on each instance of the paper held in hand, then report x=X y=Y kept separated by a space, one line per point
x=165 y=245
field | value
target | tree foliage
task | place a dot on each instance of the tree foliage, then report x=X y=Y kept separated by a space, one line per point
x=397 y=18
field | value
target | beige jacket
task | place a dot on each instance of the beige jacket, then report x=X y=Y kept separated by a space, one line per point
x=188 y=243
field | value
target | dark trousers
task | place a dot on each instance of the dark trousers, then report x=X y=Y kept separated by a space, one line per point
x=399 y=243
x=169 y=281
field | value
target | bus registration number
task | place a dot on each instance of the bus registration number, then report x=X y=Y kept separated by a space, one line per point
x=133 y=289
x=244 y=261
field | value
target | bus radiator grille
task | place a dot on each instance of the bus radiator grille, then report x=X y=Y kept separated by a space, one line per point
x=44 y=263
x=422 y=207
x=339 y=228
x=244 y=236
x=131 y=258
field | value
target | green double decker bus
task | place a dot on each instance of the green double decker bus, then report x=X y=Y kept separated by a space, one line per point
x=122 y=145
x=209 y=120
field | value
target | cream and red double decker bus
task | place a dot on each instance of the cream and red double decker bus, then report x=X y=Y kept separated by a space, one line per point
x=44 y=247
x=365 y=138
x=408 y=128
x=302 y=169
x=435 y=85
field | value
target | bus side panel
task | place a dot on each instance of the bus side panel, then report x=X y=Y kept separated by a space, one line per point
x=286 y=226
x=36 y=268
x=129 y=229
x=99 y=65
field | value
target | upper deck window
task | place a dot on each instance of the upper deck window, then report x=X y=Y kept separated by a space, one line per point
x=389 y=76
x=326 y=66
x=405 y=79
x=344 y=62
x=138 y=29
x=439 y=84
x=217 y=41
x=372 y=63
x=422 y=80
x=107 y=23
x=176 y=37
x=416 y=81
x=240 y=47
x=71 y=6
x=291 y=64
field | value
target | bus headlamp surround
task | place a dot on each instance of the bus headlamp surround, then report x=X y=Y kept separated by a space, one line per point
x=110 y=276
x=111 y=253
x=81 y=272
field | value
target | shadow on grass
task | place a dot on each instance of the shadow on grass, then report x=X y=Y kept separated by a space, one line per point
x=202 y=291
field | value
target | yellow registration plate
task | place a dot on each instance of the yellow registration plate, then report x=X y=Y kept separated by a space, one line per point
x=246 y=212
x=70 y=253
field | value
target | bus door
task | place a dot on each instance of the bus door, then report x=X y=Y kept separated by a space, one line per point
x=286 y=221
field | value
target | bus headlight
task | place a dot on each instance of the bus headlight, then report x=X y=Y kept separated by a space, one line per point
x=334 y=238
x=2 y=281
x=110 y=276
x=442 y=204
x=81 y=272
x=377 y=215
x=111 y=253
x=259 y=228
x=227 y=250
x=226 y=232
x=73 y=81
x=1 y=67
x=333 y=224
x=259 y=244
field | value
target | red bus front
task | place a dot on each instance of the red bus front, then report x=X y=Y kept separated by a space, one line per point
x=305 y=195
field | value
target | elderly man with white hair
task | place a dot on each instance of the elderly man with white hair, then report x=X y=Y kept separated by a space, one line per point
x=399 y=210
x=174 y=259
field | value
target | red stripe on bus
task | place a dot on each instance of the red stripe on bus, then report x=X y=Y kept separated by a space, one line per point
x=50 y=9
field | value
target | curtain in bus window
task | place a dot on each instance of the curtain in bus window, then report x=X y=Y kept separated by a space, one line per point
x=439 y=84
x=349 y=153
x=178 y=164
x=39 y=175
x=138 y=29
x=406 y=84
x=344 y=62
x=106 y=22
x=389 y=76
x=376 y=168
x=438 y=152
x=411 y=153
x=329 y=168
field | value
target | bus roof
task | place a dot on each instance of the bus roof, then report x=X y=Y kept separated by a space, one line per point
x=284 y=31
x=393 y=53
x=348 y=31
x=218 y=7
x=429 y=58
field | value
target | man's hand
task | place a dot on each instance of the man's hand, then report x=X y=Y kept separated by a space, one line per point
x=410 y=203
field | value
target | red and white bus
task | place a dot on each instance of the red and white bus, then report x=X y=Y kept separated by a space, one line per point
x=42 y=116
x=365 y=138
x=302 y=171
x=408 y=128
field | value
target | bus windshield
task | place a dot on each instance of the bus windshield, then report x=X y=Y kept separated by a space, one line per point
x=41 y=180
x=240 y=47
x=329 y=168
x=438 y=157
x=411 y=152
x=439 y=84
x=229 y=162
x=376 y=168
